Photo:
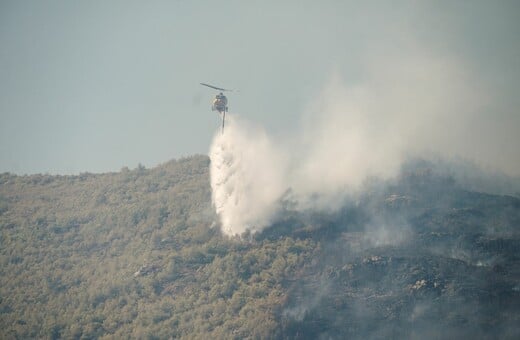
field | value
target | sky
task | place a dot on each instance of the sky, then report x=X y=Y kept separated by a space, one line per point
x=94 y=86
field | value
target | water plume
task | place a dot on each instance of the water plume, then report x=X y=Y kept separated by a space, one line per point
x=246 y=177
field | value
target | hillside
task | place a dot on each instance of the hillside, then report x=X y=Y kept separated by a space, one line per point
x=138 y=254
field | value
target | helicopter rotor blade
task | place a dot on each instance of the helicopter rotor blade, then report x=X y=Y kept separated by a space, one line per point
x=214 y=87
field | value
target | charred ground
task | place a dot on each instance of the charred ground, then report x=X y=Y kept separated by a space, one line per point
x=423 y=259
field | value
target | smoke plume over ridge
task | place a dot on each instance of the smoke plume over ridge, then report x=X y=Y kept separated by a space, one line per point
x=421 y=106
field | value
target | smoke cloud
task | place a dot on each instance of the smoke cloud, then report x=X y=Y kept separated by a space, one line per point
x=418 y=106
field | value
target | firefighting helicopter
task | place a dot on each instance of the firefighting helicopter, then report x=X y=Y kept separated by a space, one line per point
x=219 y=102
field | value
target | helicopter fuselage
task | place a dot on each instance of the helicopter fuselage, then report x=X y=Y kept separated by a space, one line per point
x=220 y=103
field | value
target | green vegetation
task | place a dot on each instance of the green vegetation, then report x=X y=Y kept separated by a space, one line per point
x=132 y=254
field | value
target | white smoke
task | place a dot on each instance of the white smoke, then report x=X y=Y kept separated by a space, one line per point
x=416 y=106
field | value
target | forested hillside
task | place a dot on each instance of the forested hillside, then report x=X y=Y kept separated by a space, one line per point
x=133 y=254
x=138 y=254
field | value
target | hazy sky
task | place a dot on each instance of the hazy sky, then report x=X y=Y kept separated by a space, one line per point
x=98 y=85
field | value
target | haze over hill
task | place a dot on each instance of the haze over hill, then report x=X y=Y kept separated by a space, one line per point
x=419 y=107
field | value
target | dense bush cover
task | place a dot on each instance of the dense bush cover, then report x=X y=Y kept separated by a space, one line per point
x=133 y=254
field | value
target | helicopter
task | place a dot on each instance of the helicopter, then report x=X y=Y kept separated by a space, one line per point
x=219 y=102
